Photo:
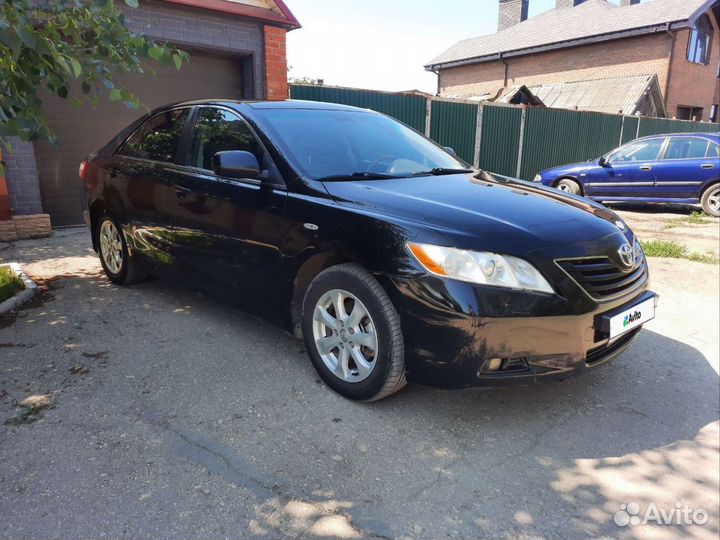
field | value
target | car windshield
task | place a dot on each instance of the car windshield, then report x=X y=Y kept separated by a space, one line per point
x=338 y=145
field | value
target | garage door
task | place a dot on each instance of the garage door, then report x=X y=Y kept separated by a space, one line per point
x=82 y=130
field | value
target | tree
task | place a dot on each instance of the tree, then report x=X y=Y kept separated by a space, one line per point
x=59 y=45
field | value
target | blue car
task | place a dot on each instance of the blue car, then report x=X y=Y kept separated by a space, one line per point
x=675 y=168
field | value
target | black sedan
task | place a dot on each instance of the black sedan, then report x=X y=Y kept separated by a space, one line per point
x=395 y=260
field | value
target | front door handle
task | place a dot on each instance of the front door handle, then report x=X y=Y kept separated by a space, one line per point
x=182 y=192
x=646 y=168
x=706 y=166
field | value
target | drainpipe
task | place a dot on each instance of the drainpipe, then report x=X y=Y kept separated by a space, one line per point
x=505 y=75
x=672 y=35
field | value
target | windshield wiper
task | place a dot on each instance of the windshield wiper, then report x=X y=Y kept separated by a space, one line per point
x=439 y=171
x=361 y=174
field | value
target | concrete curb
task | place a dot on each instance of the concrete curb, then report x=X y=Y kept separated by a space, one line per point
x=23 y=296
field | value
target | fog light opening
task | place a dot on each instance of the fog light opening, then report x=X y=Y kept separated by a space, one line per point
x=505 y=365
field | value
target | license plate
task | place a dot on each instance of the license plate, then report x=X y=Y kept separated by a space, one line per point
x=632 y=317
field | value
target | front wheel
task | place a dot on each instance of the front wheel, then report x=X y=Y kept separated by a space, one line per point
x=711 y=201
x=352 y=333
x=569 y=186
x=115 y=258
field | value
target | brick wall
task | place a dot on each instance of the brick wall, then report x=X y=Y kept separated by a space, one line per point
x=275 y=63
x=631 y=56
x=22 y=179
x=195 y=28
x=693 y=85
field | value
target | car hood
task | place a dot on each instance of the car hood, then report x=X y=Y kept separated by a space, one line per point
x=482 y=212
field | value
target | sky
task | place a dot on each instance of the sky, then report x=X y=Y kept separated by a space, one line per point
x=383 y=44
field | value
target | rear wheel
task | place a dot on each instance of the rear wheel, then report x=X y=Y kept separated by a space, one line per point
x=352 y=333
x=569 y=186
x=115 y=258
x=711 y=200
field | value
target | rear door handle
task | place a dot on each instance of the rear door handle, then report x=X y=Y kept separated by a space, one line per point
x=706 y=166
x=182 y=192
x=646 y=168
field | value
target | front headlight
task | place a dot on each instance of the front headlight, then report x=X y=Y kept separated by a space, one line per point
x=480 y=267
x=537 y=178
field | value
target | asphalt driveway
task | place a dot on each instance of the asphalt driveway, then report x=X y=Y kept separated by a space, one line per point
x=179 y=416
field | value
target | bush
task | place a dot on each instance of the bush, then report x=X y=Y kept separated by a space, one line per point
x=9 y=283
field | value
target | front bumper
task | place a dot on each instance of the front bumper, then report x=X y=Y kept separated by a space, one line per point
x=454 y=330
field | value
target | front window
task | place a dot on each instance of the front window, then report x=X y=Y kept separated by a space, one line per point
x=217 y=130
x=158 y=138
x=328 y=143
x=700 y=41
x=686 y=148
x=648 y=150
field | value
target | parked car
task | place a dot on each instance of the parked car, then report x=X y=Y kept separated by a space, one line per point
x=677 y=168
x=391 y=257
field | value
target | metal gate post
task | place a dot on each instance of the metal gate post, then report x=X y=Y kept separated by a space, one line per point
x=622 y=130
x=637 y=133
x=478 y=136
x=428 y=116
x=522 y=142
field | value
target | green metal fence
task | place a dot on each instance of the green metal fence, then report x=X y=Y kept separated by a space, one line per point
x=512 y=141
x=454 y=125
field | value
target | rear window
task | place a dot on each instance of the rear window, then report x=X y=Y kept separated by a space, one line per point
x=686 y=148
x=158 y=138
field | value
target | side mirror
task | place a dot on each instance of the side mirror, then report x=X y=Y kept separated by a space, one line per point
x=236 y=164
x=602 y=161
x=450 y=151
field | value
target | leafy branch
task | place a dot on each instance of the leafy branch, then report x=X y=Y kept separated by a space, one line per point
x=74 y=49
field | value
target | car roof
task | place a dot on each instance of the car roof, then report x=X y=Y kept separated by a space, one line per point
x=260 y=105
x=703 y=135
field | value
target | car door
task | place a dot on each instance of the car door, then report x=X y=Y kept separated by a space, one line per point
x=628 y=172
x=230 y=228
x=687 y=164
x=139 y=187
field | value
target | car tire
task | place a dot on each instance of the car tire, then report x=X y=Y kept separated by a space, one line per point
x=711 y=201
x=119 y=265
x=359 y=354
x=569 y=186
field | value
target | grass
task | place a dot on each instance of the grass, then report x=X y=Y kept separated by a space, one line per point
x=673 y=250
x=9 y=283
x=695 y=218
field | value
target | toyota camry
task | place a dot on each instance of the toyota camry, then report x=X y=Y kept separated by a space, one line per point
x=393 y=259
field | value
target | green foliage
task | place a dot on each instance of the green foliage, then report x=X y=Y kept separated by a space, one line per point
x=9 y=283
x=663 y=248
x=75 y=49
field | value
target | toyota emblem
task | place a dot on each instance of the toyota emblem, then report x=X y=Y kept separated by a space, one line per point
x=627 y=256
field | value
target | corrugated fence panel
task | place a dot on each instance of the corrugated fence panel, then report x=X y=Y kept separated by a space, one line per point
x=654 y=126
x=550 y=139
x=500 y=139
x=405 y=107
x=454 y=125
x=597 y=134
x=629 y=130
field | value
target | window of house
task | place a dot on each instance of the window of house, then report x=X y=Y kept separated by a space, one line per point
x=700 y=41
x=158 y=138
x=686 y=148
x=714 y=112
x=217 y=130
x=689 y=113
x=647 y=150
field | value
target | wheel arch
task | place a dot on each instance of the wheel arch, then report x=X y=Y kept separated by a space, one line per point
x=304 y=276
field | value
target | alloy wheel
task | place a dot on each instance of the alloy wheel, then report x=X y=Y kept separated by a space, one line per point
x=111 y=248
x=714 y=200
x=345 y=335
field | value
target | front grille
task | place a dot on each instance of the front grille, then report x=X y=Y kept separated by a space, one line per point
x=602 y=279
x=598 y=354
